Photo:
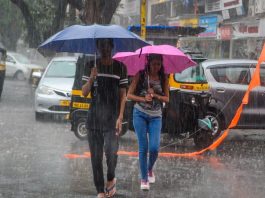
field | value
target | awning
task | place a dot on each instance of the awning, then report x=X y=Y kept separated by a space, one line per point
x=168 y=30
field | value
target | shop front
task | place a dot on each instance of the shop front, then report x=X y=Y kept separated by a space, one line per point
x=205 y=42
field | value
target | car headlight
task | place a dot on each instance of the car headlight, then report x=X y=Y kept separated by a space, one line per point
x=45 y=90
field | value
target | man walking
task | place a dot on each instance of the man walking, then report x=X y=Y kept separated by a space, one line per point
x=107 y=84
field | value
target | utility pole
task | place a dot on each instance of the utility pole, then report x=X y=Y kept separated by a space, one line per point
x=143 y=19
x=195 y=7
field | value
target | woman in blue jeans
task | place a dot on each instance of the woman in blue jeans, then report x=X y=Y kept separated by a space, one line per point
x=149 y=89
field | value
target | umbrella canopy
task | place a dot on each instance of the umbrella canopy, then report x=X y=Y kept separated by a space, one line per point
x=81 y=39
x=174 y=60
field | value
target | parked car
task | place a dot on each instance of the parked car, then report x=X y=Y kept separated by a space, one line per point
x=19 y=66
x=53 y=93
x=228 y=80
x=2 y=68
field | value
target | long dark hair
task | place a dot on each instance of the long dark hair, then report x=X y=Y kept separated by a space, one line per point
x=161 y=72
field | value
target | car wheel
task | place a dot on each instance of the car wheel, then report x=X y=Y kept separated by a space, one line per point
x=217 y=123
x=19 y=75
x=80 y=129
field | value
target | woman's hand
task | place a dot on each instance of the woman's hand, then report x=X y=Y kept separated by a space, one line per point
x=148 y=97
x=151 y=91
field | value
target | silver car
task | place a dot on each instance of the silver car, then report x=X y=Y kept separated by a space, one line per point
x=53 y=93
x=229 y=80
x=19 y=66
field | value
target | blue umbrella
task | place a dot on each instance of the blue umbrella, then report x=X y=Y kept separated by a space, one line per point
x=81 y=39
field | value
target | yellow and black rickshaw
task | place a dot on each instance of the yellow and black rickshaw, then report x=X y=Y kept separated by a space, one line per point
x=185 y=115
x=2 y=68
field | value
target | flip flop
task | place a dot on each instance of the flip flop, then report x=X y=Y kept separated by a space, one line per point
x=111 y=191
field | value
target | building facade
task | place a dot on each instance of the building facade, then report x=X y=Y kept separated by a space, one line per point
x=234 y=28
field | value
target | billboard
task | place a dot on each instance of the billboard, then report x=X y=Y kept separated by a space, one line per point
x=210 y=23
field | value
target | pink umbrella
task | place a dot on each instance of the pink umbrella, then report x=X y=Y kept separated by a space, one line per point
x=174 y=60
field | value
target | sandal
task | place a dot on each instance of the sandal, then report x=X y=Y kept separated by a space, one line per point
x=111 y=191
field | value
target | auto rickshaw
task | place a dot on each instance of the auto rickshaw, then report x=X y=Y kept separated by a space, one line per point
x=185 y=115
x=2 y=68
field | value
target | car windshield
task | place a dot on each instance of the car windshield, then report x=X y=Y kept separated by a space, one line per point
x=61 y=69
x=22 y=59
x=191 y=75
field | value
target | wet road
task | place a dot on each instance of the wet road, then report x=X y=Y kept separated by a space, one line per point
x=33 y=162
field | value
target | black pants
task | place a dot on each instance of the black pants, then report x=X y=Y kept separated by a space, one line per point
x=97 y=141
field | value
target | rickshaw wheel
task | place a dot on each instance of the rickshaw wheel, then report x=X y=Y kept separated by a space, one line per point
x=203 y=139
x=217 y=123
x=80 y=129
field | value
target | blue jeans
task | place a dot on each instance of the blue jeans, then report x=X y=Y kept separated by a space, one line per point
x=147 y=128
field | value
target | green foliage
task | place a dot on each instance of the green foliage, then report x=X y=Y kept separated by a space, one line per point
x=11 y=24
x=43 y=13
x=35 y=20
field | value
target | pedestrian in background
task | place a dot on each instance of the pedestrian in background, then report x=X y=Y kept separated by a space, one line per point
x=107 y=84
x=149 y=89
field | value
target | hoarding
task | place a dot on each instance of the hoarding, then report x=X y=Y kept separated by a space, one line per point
x=210 y=23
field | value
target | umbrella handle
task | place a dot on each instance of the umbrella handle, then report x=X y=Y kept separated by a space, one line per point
x=95 y=62
x=148 y=81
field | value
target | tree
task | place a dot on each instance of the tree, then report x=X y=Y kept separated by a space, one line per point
x=10 y=25
x=43 y=18
x=99 y=11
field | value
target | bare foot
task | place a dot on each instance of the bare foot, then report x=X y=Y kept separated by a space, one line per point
x=101 y=195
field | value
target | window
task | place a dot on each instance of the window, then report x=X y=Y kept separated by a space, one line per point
x=22 y=59
x=232 y=74
x=61 y=69
x=10 y=59
x=191 y=75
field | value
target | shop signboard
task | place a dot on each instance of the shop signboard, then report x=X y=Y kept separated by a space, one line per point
x=190 y=22
x=210 y=23
x=259 y=6
x=226 y=32
x=246 y=29
x=174 y=23
x=229 y=4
